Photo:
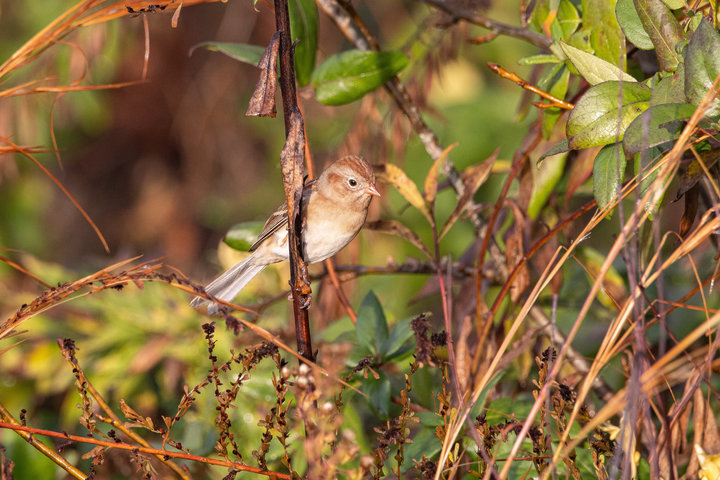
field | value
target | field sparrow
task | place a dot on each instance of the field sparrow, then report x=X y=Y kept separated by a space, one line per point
x=334 y=206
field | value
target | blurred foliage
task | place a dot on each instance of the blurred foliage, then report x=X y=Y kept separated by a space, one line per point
x=164 y=162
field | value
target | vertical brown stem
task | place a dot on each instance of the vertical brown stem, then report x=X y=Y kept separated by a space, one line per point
x=292 y=168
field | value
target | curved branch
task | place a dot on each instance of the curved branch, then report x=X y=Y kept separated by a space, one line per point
x=496 y=27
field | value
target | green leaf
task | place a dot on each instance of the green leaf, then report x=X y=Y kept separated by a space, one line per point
x=606 y=37
x=425 y=443
x=675 y=4
x=338 y=331
x=567 y=18
x=347 y=76
x=608 y=170
x=601 y=116
x=545 y=178
x=379 y=393
x=670 y=89
x=398 y=337
x=542 y=11
x=539 y=59
x=371 y=327
x=241 y=52
x=702 y=64
x=558 y=90
x=304 y=27
x=655 y=126
x=242 y=235
x=664 y=30
x=631 y=25
x=593 y=69
x=560 y=147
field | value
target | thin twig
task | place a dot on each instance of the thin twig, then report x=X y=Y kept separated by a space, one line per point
x=554 y=101
x=152 y=451
x=460 y=13
x=40 y=446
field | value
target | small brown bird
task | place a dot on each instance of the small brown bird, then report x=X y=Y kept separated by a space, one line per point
x=335 y=207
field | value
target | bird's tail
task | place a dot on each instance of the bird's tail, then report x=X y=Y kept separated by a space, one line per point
x=228 y=285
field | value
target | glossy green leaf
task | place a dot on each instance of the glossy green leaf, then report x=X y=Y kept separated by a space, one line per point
x=664 y=30
x=606 y=37
x=567 y=18
x=702 y=64
x=393 y=345
x=371 y=327
x=243 y=235
x=545 y=178
x=241 y=52
x=608 y=170
x=538 y=59
x=558 y=90
x=631 y=25
x=542 y=10
x=655 y=126
x=594 y=69
x=670 y=89
x=424 y=444
x=675 y=4
x=601 y=116
x=379 y=393
x=347 y=76
x=560 y=147
x=304 y=29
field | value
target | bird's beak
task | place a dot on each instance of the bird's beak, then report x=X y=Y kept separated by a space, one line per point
x=371 y=190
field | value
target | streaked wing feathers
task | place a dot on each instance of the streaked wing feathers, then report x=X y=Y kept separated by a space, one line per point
x=280 y=218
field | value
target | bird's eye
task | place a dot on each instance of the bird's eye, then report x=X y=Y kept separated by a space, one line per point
x=352 y=182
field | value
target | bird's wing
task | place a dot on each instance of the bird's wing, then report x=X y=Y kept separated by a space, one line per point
x=280 y=218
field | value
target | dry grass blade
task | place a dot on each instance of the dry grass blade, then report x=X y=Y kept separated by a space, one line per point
x=23 y=270
x=662 y=371
x=25 y=153
x=667 y=168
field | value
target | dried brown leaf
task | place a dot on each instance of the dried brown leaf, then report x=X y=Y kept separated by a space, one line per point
x=690 y=176
x=136 y=419
x=394 y=227
x=463 y=359
x=262 y=103
x=473 y=177
x=580 y=171
x=515 y=253
x=431 y=180
x=690 y=211
x=394 y=175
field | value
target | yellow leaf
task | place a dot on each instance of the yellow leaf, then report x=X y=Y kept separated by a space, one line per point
x=709 y=464
x=431 y=181
x=394 y=175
